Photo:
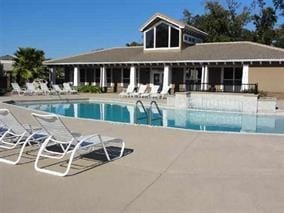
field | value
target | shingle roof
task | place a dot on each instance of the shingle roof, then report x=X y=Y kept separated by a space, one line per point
x=205 y=52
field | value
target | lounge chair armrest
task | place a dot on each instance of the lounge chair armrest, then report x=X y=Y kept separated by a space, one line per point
x=88 y=137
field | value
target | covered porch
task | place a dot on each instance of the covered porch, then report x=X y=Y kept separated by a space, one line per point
x=180 y=76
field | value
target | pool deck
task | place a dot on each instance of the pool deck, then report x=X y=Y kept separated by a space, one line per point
x=168 y=170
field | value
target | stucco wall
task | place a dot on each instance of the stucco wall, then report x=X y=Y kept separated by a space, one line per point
x=269 y=79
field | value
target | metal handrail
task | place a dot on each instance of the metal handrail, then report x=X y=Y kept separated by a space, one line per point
x=222 y=87
x=154 y=103
x=145 y=111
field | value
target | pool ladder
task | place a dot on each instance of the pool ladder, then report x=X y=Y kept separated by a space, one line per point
x=148 y=114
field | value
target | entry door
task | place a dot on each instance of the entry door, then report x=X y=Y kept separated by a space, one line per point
x=158 y=78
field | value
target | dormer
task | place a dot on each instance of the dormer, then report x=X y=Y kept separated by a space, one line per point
x=161 y=32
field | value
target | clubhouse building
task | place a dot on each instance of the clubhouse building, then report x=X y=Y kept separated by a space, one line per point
x=174 y=53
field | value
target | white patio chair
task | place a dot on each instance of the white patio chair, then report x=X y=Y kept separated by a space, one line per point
x=141 y=90
x=58 y=90
x=68 y=144
x=129 y=90
x=32 y=90
x=14 y=134
x=163 y=93
x=154 y=90
x=67 y=88
x=17 y=89
x=46 y=90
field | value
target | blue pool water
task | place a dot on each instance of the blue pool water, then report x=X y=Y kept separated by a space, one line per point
x=177 y=118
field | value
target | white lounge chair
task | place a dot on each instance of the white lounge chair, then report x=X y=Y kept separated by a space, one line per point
x=17 y=89
x=32 y=90
x=14 y=134
x=163 y=93
x=141 y=90
x=128 y=92
x=68 y=143
x=67 y=88
x=58 y=90
x=46 y=90
x=154 y=90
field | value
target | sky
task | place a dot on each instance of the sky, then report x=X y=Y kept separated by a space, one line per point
x=65 y=27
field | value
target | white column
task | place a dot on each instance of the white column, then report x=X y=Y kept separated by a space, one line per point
x=76 y=77
x=103 y=77
x=206 y=77
x=167 y=76
x=222 y=79
x=245 y=77
x=52 y=75
x=133 y=80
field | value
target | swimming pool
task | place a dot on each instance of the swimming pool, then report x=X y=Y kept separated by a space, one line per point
x=175 y=118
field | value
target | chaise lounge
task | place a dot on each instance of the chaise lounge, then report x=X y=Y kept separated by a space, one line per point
x=14 y=134
x=68 y=145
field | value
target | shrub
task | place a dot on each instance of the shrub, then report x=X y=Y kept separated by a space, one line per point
x=89 y=89
x=262 y=94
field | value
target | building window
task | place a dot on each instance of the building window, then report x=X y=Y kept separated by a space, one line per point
x=90 y=75
x=150 y=39
x=82 y=75
x=126 y=76
x=238 y=76
x=193 y=75
x=174 y=37
x=162 y=35
x=228 y=76
x=191 y=39
x=232 y=79
x=98 y=75
x=108 y=76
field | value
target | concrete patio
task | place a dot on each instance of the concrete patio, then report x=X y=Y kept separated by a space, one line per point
x=168 y=171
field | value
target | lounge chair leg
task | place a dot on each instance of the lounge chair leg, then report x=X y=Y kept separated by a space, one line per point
x=104 y=148
x=47 y=171
x=14 y=162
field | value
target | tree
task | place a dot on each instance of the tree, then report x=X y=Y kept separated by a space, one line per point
x=237 y=21
x=279 y=37
x=227 y=22
x=279 y=5
x=264 y=22
x=28 y=65
x=221 y=24
x=134 y=43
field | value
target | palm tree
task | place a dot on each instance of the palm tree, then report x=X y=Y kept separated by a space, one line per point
x=28 y=65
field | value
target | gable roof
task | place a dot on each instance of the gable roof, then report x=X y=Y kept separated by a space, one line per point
x=180 y=24
x=7 y=57
x=199 y=53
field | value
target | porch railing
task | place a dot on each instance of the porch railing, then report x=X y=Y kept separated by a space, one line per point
x=234 y=88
